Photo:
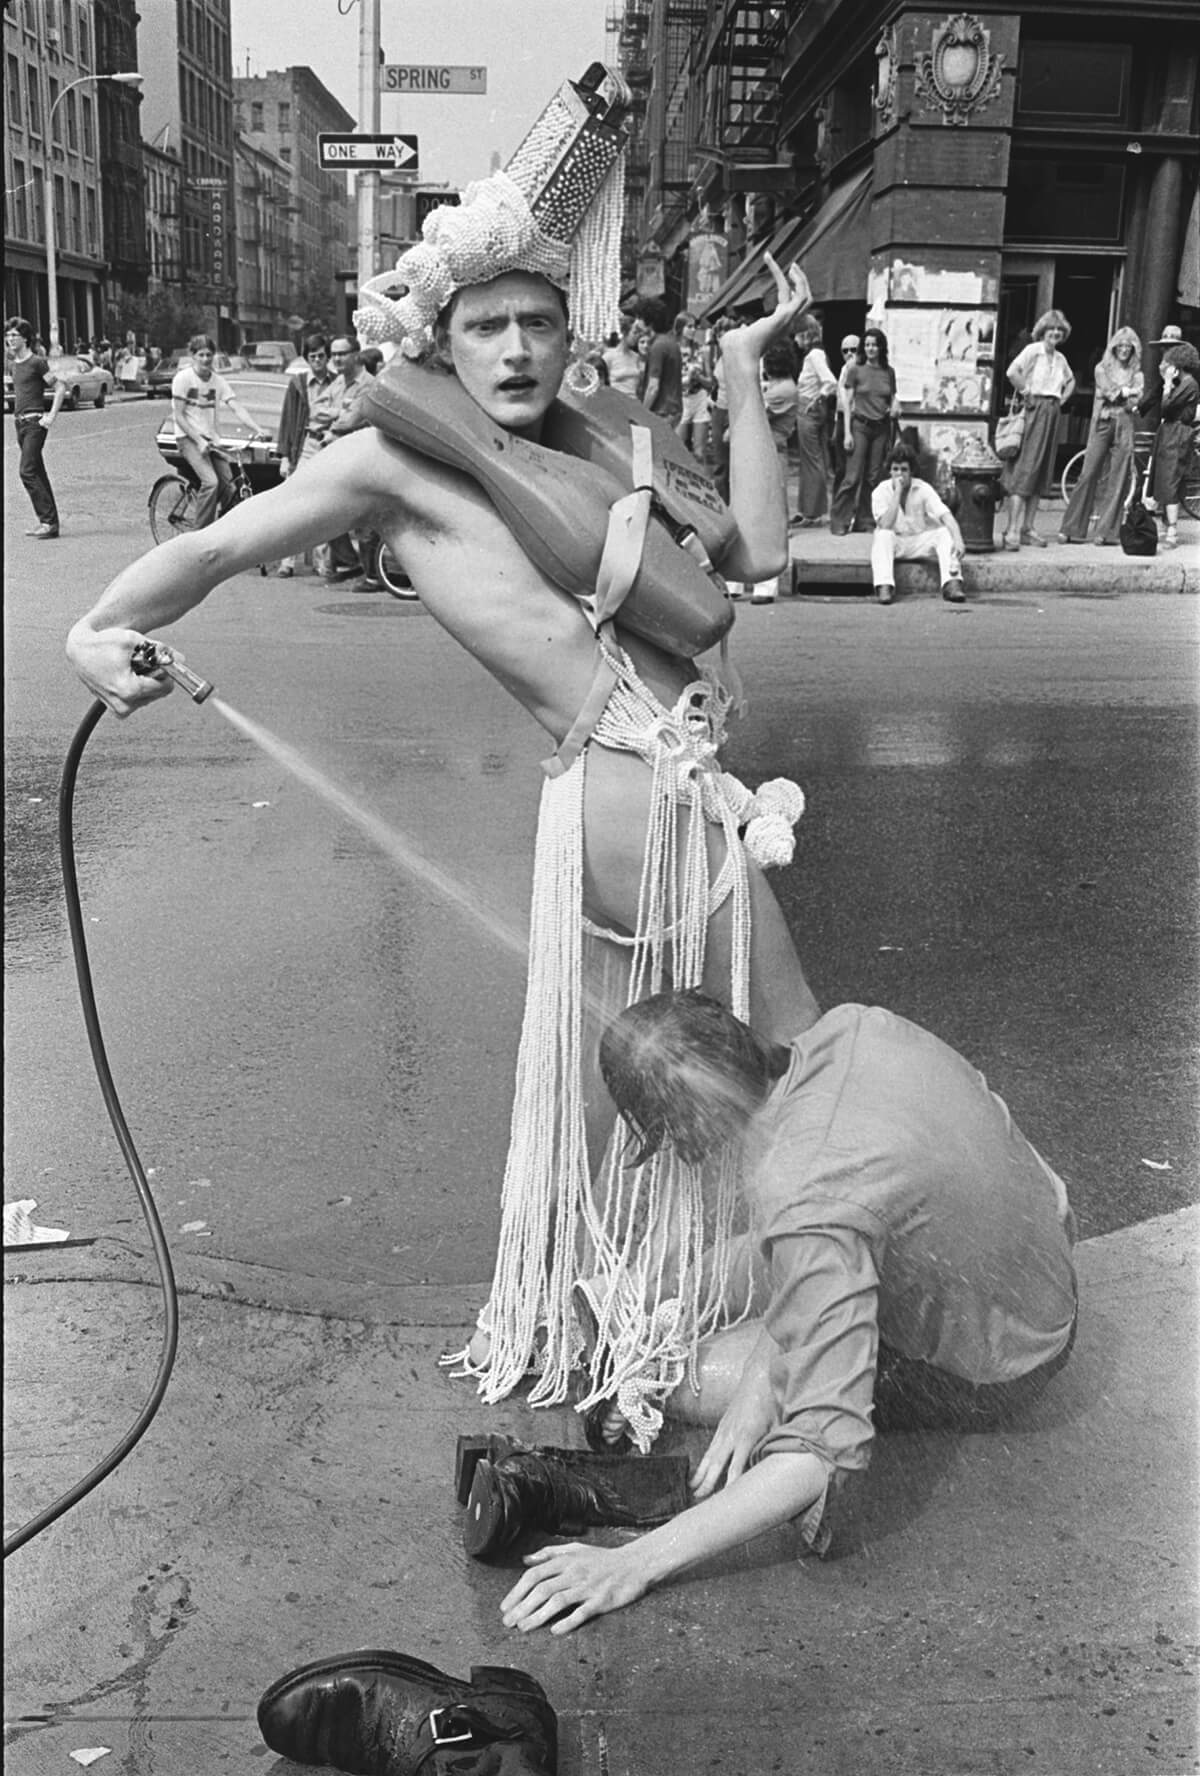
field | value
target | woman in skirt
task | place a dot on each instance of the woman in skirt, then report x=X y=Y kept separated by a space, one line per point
x=1173 y=441
x=1119 y=385
x=1042 y=375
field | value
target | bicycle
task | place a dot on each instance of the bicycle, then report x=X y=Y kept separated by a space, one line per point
x=1143 y=443
x=175 y=498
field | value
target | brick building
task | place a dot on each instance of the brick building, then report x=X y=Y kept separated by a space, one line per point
x=947 y=174
x=51 y=142
x=188 y=109
x=263 y=216
x=283 y=112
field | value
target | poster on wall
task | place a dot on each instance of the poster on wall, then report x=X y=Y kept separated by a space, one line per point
x=943 y=357
x=651 y=274
x=708 y=262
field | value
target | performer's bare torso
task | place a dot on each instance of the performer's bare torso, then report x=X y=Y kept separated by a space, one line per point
x=479 y=584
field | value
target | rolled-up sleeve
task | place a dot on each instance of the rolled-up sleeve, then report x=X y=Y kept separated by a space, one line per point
x=824 y=1318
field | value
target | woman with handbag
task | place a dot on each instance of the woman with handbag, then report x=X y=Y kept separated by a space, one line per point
x=1043 y=377
x=1119 y=384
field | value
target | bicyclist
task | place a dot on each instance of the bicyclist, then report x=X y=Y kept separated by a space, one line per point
x=195 y=392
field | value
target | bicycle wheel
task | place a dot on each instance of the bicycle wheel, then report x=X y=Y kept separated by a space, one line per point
x=1071 y=474
x=383 y=566
x=1189 y=497
x=172 y=508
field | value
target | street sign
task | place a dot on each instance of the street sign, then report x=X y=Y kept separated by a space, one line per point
x=423 y=78
x=397 y=153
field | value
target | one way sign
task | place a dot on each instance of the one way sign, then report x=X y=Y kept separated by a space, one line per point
x=399 y=153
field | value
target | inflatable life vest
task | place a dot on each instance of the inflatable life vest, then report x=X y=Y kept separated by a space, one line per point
x=556 y=497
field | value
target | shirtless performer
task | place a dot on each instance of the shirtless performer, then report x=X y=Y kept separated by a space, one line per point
x=508 y=341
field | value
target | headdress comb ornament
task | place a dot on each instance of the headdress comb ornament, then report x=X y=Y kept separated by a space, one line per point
x=556 y=209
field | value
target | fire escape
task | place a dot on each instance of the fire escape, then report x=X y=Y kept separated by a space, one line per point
x=743 y=60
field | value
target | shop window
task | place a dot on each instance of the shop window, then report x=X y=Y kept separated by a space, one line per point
x=1074 y=83
x=1064 y=200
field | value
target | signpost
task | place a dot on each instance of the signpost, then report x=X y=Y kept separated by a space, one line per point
x=424 y=78
x=395 y=153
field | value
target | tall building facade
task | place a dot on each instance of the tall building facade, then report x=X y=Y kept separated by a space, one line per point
x=945 y=173
x=282 y=113
x=188 y=108
x=122 y=190
x=52 y=161
x=263 y=213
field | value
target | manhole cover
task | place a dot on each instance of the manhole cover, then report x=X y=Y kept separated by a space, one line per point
x=386 y=607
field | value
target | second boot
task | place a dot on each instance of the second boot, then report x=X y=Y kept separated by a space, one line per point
x=509 y=1489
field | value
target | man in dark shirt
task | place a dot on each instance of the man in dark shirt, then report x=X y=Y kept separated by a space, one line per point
x=663 y=392
x=31 y=374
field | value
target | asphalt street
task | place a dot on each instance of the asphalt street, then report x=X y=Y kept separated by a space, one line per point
x=314 y=1050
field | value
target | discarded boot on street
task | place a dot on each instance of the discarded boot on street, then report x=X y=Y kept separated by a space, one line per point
x=378 y=1713
x=510 y=1489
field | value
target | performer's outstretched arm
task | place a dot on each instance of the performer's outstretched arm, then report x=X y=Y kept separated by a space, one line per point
x=756 y=494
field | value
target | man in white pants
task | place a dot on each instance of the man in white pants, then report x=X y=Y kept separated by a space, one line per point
x=913 y=524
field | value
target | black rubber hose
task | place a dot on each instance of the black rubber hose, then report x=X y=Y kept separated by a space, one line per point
x=66 y=844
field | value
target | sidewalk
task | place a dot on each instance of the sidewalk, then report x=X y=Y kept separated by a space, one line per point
x=1023 y=1601
x=822 y=564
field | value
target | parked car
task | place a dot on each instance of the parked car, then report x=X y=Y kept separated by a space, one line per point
x=83 y=380
x=158 y=381
x=269 y=354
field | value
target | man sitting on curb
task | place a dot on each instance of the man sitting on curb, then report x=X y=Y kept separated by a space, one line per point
x=917 y=1273
x=914 y=524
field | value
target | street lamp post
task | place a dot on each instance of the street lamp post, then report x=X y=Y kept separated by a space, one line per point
x=48 y=194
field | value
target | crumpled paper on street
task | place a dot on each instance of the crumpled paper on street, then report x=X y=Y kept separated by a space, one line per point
x=21 y=1230
x=89 y=1754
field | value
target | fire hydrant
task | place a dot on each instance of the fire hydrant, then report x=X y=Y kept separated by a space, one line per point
x=977 y=493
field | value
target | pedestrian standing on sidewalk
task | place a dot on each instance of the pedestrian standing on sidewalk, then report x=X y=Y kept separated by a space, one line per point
x=662 y=391
x=32 y=375
x=696 y=417
x=625 y=367
x=816 y=389
x=305 y=418
x=1043 y=377
x=869 y=408
x=1174 y=441
x=1119 y=384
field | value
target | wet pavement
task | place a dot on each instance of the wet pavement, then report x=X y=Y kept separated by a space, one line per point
x=315 y=1055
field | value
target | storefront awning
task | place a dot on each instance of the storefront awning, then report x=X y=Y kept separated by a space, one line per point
x=833 y=248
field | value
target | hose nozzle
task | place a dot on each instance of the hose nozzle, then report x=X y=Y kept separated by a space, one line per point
x=150 y=657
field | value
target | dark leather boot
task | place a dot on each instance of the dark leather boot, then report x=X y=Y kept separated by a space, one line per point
x=376 y=1713
x=509 y=1490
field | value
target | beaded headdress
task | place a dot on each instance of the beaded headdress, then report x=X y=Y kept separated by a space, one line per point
x=556 y=209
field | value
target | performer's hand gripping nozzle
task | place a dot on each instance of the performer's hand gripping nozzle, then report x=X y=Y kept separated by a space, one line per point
x=154 y=656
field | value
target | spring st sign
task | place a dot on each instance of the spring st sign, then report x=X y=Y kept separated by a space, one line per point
x=425 y=78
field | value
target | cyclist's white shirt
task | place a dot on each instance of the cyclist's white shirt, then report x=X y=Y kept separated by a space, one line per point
x=200 y=398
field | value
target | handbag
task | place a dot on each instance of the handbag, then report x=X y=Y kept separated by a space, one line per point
x=1010 y=430
x=1138 y=533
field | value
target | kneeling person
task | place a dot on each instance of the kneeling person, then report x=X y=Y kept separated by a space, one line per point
x=910 y=1261
x=912 y=523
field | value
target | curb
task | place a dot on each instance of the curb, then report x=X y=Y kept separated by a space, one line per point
x=1110 y=576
